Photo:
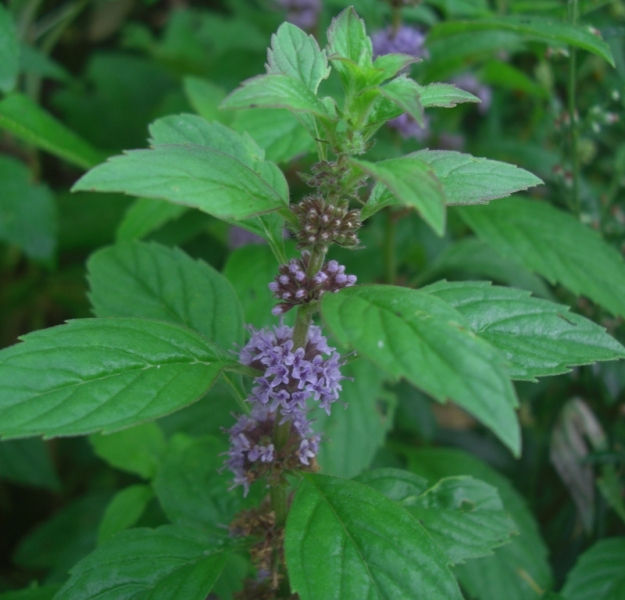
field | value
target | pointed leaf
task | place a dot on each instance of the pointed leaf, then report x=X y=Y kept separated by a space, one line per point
x=412 y=183
x=468 y=179
x=555 y=245
x=165 y=284
x=537 y=337
x=347 y=39
x=598 y=574
x=101 y=374
x=124 y=510
x=444 y=95
x=297 y=54
x=344 y=539
x=411 y=334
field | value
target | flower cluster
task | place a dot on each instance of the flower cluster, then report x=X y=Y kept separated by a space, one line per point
x=402 y=40
x=293 y=285
x=290 y=377
x=303 y=13
x=321 y=223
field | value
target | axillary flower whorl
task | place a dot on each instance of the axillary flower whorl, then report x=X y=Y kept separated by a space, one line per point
x=294 y=285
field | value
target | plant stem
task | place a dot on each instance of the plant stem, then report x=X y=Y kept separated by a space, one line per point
x=572 y=106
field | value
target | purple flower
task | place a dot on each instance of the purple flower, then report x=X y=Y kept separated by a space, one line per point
x=303 y=13
x=404 y=40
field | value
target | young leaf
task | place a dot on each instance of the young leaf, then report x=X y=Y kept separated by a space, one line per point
x=412 y=183
x=464 y=516
x=598 y=573
x=297 y=54
x=536 y=336
x=165 y=563
x=353 y=433
x=468 y=179
x=146 y=215
x=529 y=28
x=444 y=95
x=124 y=510
x=555 y=245
x=136 y=450
x=276 y=91
x=347 y=39
x=25 y=119
x=9 y=51
x=28 y=214
x=197 y=176
x=404 y=92
x=410 y=334
x=100 y=375
x=165 y=284
x=517 y=571
x=346 y=540
x=192 y=487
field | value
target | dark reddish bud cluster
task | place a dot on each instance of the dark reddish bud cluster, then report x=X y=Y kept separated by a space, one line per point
x=321 y=223
x=294 y=286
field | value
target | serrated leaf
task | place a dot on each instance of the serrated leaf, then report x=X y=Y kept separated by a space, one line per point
x=28 y=214
x=25 y=119
x=275 y=91
x=347 y=39
x=444 y=95
x=530 y=28
x=555 y=245
x=353 y=433
x=410 y=334
x=297 y=54
x=468 y=179
x=135 y=450
x=124 y=510
x=537 y=337
x=100 y=375
x=141 y=564
x=464 y=516
x=165 y=284
x=598 y=574
x=9 y=51
x=195 y=176
x=412 y=183
x=146 y=215
x=404 y=92
x=344 y=539
x=517 y=571
x=191 y=485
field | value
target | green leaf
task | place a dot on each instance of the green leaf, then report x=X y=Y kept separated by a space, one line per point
x=536 y=336
x=124 y=510
x=297 y=54
x=598 y=574
x=9 y=51
x=411 y=334
x=347 y=39
x=468 y=179
x=352 y=434
x=26 y=120
x=137 y=450
x=276 y=91
x=164 y=563
x=101 y=374
x=404 y=92
x=412 y=183
x=28 y=215
x=196 y=176
x=444 y=95
x=145 y=216
x=165 y=284
x=464 y=516
x=555 y=245
x=28 y=462
x=529 y=28
x=191 y=485
x=517 y=571
x=344 y=540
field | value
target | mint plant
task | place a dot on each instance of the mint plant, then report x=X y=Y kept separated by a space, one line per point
x=249 y=510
